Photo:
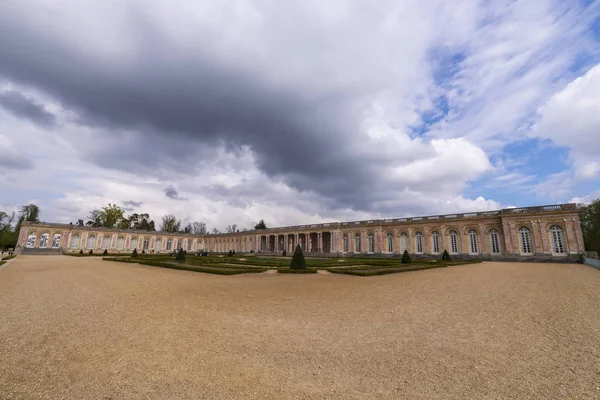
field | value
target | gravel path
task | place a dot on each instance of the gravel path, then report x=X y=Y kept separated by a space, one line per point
x=78 y=328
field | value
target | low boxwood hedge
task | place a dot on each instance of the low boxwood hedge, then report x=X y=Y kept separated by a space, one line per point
x=297 y=271
x=9 y=257
x=382 y=271
x=219 y=270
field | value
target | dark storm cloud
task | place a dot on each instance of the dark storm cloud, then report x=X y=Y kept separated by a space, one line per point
x=14 y=161
x=131 y=203
x=172 y=193
x=26 y=108
x=178 y=103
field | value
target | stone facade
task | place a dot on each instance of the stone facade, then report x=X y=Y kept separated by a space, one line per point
x=539 y=233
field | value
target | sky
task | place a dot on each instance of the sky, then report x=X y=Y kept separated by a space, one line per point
x=298 y=112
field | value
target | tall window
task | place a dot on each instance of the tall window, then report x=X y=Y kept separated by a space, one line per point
x=44 y=240
x=90 y=242
x=494 y=241
x=557 y=238
x=158 y=245
x=146 y=243
x=419 y=243
x=390 y=243
x=133 y=243
x=357 y=243
x=403 y=242
x=106 y=242
x=189 y=244
x=179 y=244
x=31 y=239
x=169 y=244
x=56 y=241
x=435 y=241
x=453 y=242
x=525 y=240
x=371 y=240
x=75 y=241
x=345 y=243
x=120 y=243
x=473 y=242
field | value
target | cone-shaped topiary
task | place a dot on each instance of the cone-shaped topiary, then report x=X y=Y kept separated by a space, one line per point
x=91 y=252
x=298 y=261
x=446 y=256
x=81 y=251
x=284 y=253
x=180 y=256
x=405 y=257
x=143 y=251
x=105 y=252
x=134 y=254
x=230 y=253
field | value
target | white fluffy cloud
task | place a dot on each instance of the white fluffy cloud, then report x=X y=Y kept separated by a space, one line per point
x=571 y=118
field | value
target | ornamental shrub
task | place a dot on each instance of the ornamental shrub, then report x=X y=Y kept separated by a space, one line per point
x=446 y=256
x=134 y=254
x=230 y=253
x=405 y=257
x=81 y=251
x=91 y=252
x=298 y=261
x=105 y=252
x=284 y=253
x=143 y=251
x=180 y=256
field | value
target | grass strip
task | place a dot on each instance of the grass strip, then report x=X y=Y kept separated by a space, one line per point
x=297 y=271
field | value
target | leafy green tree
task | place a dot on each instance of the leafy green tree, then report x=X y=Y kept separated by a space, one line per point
x=141 y=222
x=8 y=237
x=30 y=213
x=170 y=223
x=590 y=225
x=405 y=257
x=108 y=217
x=298 y=261
x=260 y=225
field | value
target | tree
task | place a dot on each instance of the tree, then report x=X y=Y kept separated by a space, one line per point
x=260 y=225
x=141 y=222
x=180 y=256
x=30 y=213
x=446 y=256
x=199 y=228
x=215 y=231
x=108 y=217
x=231 y=228
x=8 y=237
x=170 y=223
x=95 y=218
x=134 y=253
x=405 y=257
x=298 y=261
x=590 y=225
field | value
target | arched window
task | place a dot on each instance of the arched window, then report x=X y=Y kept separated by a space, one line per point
x=90 y=242
x=189 y=244
x=453 y=242
x=146 y=243
x=390 y=243
x=419 y=243
x=31 y=239
x=75 y=241
x=134 y=243
x=169 y=244
x=345 y=243
x=357 y=243
x=403 y=242
x=106 y=242
x=473 y=241
x=44 y=240
x=494 y=241
x=120 y=243
x=525 y=240
x=56 y=241
x=371 y=240
x=158 y=245
x=179 y=244
x=435 y=242
x=557 y=238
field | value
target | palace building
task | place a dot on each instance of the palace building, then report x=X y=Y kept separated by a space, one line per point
x=541 y=233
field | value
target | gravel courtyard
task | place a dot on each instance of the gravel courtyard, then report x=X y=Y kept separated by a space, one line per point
x=79 y=328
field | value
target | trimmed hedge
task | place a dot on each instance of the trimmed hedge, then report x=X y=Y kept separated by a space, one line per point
x=9 y=257
x=381 y=271
x=405 y=258
x=2 y=262
x=298 y=261
x=219 y=270
x=297 y=271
